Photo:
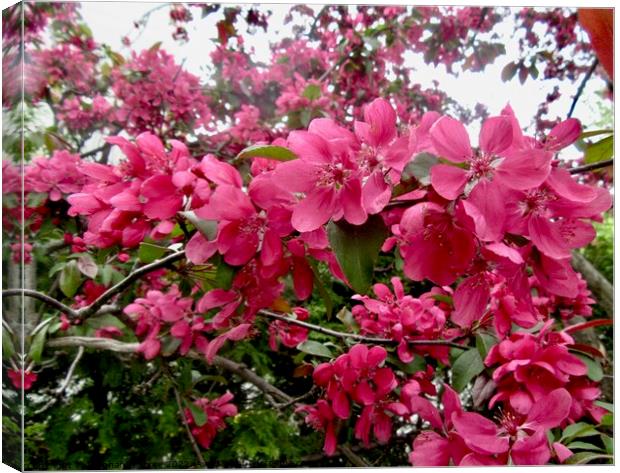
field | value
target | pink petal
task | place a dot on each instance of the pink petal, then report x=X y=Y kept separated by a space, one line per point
x=547 y=237
x=376 y=356
x=480 y=434
x=425 y=409
x=376 y=193
x=448 y=181
x=215 y=298
x=309 y=147
x=563 y=134
x=199 y=249
x=351 y=198
x=296 y=175
x=163 y=201
x=381 y=117
x=550 y=411
x=470 y=300
x=340 y=405
x=220 y=172
x=231 y=203
x=524 y=169
x=364 y=394
x=486 y=206
x=533 y=450
x=563 y=183
x=430 y=449
x=451 y=140
x=495 y=135
x=561 y=451
x=315 y=210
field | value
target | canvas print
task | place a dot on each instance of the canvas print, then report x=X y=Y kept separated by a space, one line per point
x=260 y=236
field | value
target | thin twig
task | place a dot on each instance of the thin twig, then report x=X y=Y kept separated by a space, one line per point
x=224 y=363
x=50 y=301
x=591 y=167
x=355 y=336
x=353 y=457
x=65 y=383
x=581 y=87
x=187 y=429
x=125 y=283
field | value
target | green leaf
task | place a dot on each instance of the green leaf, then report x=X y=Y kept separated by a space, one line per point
x=420 y=168
x=583 y=446
x=509 y=71
x=37 y=345
x=312 y=92
x=579 y=429
x=418 y=364
x=110 y=275
x=595 y=371
x=605 y=405
x=149 y=252
x=484 y=342
x=200 y=416
x=582 y=458
x=346 y=317
x=169 y=345
x=70 y=279
x=313 y=347
x=208 y=228
x=443 y=298
x=609 y=443
x=607 y=420
x=278 y=153
x=8 y=348
x=357 y=248
x=320 y=287
x=224 y=275
x=466 y=366
x=600 y=151
x=589 y=134
x=87 y=266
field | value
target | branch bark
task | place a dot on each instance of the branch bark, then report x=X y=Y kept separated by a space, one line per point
x=224 y=363
x=91 y=309
x=599 y=285
x=591 y=167
x=355 y=336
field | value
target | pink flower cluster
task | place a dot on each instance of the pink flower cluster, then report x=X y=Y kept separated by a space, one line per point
x=167 y=310
x=404 y=318
x=216 y=411
x=143 y=194
x=356 y=378
x=528 y=367
x=157 y=95
x=469 y=439
x=81 y=115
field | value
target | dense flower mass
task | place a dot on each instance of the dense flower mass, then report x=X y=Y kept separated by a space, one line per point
x=319 y=235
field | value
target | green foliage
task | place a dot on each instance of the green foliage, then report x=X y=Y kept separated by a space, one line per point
x=267 y=151
x=601 y=251
x=465 y=367
x=357 y=249
x=263 y=438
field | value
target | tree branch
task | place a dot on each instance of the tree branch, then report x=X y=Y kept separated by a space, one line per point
x=187 y=429
x=65 y=383
x=599 y=285
x=591 y=167
x=50 y=301
x=355 y=336
x=121 y=347
x=355 y=459
x=91 y=309
x=581 y=87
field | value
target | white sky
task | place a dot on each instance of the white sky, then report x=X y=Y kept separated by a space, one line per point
x=111 y=21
